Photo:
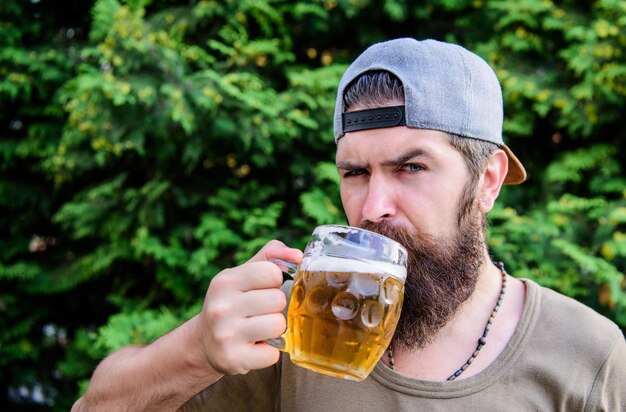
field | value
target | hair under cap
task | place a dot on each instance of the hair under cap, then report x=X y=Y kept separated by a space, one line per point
x=446 y=88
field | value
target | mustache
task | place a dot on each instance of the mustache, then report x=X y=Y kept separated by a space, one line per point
x=415 y=241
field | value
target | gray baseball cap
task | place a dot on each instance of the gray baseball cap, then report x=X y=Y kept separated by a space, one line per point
x=446 y=88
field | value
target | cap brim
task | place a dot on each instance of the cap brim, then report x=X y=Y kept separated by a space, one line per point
x=516 y=173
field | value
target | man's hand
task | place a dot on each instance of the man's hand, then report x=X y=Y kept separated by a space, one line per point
x=242 y=308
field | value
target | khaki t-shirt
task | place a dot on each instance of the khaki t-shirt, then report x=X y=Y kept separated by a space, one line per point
x=563 y=356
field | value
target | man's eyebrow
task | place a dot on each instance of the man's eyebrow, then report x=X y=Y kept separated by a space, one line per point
x=348 y=165
x=400 y=160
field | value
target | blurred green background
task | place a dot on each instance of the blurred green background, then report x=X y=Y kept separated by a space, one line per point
x=146 y=144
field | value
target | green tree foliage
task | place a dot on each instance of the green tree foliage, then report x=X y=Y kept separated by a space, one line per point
x=146 y=144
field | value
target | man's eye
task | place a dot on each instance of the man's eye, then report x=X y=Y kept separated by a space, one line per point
x=354 y=173
x=412 y=167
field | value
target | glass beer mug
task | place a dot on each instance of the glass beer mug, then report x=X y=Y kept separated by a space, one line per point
x=345 y=301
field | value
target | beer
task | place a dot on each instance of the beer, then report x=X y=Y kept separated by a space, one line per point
x=342 y=314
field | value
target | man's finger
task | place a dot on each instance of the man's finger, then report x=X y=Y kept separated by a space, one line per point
x=249 y=276
x=260 y=275
x=259 y=328
x=261 y=302
x=261 y=355
x=277 y=249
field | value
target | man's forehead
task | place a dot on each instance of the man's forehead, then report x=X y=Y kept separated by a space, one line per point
x=389 y=143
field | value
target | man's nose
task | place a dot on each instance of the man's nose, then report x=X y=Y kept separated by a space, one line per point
x=380 y=202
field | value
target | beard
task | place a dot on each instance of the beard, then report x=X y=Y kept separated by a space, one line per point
x=441 y=275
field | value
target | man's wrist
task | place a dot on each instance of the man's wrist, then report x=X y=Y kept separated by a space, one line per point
x=195 y=352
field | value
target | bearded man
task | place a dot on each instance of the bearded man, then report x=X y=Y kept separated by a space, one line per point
x=418 y=126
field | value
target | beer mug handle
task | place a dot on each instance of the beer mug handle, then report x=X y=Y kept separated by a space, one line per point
x=289 y=268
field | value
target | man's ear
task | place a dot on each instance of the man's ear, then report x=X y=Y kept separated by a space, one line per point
x=492 y=180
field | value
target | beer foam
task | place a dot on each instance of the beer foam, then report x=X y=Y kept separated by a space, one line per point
x=337 y=264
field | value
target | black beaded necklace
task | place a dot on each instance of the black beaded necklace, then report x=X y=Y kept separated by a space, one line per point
x=481 y=341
